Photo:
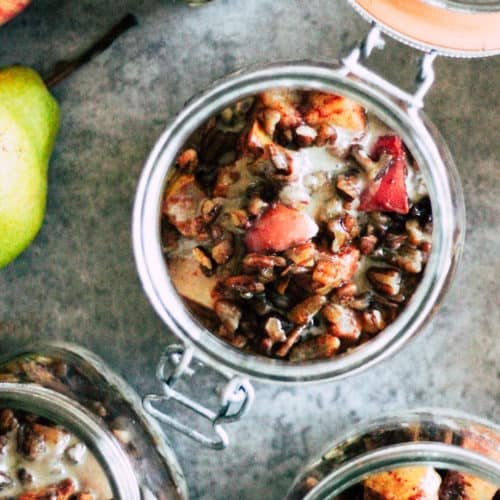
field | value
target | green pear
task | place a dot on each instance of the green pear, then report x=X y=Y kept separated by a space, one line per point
x=29 y=121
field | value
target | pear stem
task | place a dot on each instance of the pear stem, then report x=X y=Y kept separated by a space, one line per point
x=63 y=69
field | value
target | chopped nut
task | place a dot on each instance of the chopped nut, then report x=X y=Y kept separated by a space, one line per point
x=8 y=421
x=239 y=218
x=204 y=260
x=385 y=279
x=395 y=241
x=416 y=236
x=223 y=251
x=350 y=185
x=343 y=229
x=271 y=119
x=188 y=160
x=373 y=321
x=409 y=259
x=226 y=177
x=257 y=261
x=305 y=135
x=360 y=302
x=302 y=255
x=318 y=347
x=256 y=206
x=30 y=443
x=285 y=101
x=346 y=291
x=303 y=312
x=374 y=169
x=229 y=314
x=76 y=453
x=60 y=491
x=238 y=341
x=274 y=329
x=280 y=159
x=344 y=322
x=291 y=339
x=336 y=269
x=123 y=435
x=244 y=284
x=326 y=135
x=367 y=244
x=210 y=210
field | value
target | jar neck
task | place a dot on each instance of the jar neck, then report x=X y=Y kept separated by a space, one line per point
x=80 y=422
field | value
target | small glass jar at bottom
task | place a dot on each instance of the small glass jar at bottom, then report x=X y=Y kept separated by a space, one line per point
x=442 y=439
x=76 y=391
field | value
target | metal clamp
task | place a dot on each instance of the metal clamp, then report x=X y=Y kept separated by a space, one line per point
x=236 y=397
x=352 y=63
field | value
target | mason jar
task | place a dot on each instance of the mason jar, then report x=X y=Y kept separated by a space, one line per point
x=444 y=439
x=400 y=110
x=73 y=388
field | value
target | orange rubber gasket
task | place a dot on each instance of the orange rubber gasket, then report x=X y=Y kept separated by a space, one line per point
x=435 y=27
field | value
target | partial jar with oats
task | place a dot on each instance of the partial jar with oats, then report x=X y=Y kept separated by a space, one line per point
x=296 y=224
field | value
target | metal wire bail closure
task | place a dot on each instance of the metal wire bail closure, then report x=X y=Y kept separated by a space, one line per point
x=236 y=398
x=352 y=63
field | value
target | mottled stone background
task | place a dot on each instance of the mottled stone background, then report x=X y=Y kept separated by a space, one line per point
x=77 y=281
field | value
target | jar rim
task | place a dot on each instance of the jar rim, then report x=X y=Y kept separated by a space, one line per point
x=437 y=454
x=64 y=411
x=447 y=238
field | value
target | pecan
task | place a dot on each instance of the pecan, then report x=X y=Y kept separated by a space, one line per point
x=346 y=291
x=344 y=322
x=229 y=314
x=274 y=329
x=374 y=169
x=373 y=321
x=280 y=159
x=326 y=135
x=302 y=255
x=223 y=250
x=204 y=260
x=409 y=259
x=416 y=236
x=210 y=209
x=349 y=185
x=384 y=279
x=292 y=338
x=226 y=177
x=76 y=452
x=318 y=347
x=60 y=491
x=239 y=218
x=188 y=160
x=244 y=284
x=303 y=312
x=257 y=261
x=305 y=135
x=286 y=102
x=360 y=302
x=238 y=341
x=30 y=443
x=256 y=206
x=8 y=421
x=395 y=241
x=271 y=120
x=367 y=244
x=336 y=269
x=343 y=229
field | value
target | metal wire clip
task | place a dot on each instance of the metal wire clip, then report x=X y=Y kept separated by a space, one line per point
x=236 y=398
x=352 y=63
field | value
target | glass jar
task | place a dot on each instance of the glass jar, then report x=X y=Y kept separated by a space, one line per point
x=73 y=388
x=402 y=112
x=440 y=438
x=425 y=144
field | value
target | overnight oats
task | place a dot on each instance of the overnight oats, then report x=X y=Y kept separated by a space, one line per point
x=41 y=460
x=296 y=225
x=422 y=483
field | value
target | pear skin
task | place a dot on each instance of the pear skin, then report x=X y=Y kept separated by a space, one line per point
x=29 y=120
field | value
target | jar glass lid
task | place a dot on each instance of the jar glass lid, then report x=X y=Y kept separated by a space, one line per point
x=458 y=28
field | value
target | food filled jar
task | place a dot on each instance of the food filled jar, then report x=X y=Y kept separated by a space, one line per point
x=69 y=426
x=425 y=453
x=400 y=111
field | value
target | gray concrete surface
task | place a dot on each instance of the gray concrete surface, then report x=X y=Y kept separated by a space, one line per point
x=77 y=281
